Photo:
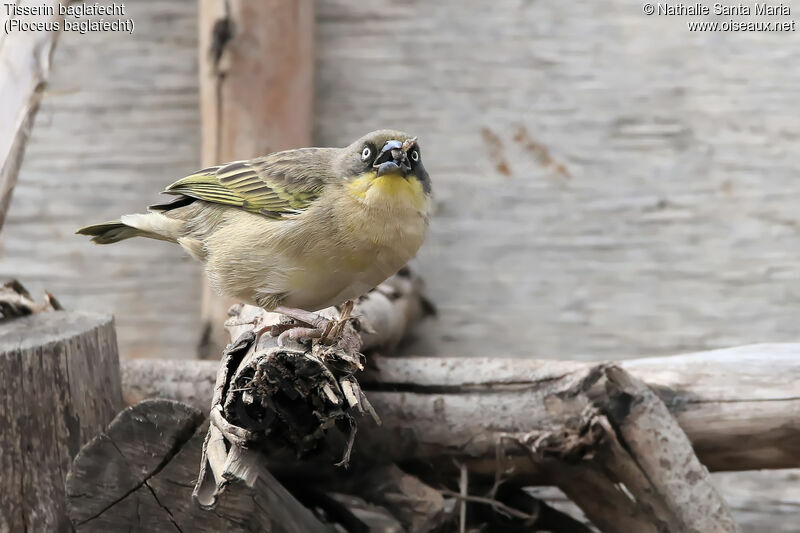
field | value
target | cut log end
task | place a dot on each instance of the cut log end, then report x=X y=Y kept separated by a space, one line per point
x=269 y=397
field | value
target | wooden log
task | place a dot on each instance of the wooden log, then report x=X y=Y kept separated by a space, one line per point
x=642 y=456
x=736 y=405
x=664 y=455
x=275 y=396
x=256 y=89
x=60 y=375
x=295 y=394
x=139 y=473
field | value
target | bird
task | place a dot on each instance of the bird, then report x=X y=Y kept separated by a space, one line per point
x=299 y=230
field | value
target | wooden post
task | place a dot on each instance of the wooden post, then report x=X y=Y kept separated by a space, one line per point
x=24 y=67
x=256 y=89
x=61 y=385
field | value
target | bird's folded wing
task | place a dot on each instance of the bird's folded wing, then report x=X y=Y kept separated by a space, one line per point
x=267 y=186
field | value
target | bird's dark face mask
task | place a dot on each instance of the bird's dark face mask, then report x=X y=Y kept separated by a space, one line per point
x=389 y=171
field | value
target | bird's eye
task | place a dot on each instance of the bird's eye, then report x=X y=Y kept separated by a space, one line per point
x=365 y=153
x=415 y=156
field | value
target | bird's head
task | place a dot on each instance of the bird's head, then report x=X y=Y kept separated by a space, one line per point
x=385 y=166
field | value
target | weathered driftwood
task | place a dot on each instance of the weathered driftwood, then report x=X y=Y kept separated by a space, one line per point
x=274 y=395
x=598 y=459
x=625 y=459
x=139 y=473
x=736 y=405
x=607 y=439
x=277 y=394
x=386 y=314
x=24 y=69
x=60 y=378
x=256 y=91
x=602 y=436
x=643 y=455
x=288 y=395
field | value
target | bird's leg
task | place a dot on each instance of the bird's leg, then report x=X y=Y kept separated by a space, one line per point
x=318 y=327
x=299 y=315
x=297 y=333
x=306 y=317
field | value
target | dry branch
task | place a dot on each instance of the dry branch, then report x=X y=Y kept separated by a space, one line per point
x=139 y=473
x=247 y=400
x=24 y=68
x=387 y=315
x=664 y=455
x=642 y=462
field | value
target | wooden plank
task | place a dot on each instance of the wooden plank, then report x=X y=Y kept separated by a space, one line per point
x=61 y=385
x=118 y=122
x=24 y=69
x=256 y=86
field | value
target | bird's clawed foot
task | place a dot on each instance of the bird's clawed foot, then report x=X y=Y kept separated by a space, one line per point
x=308 y=325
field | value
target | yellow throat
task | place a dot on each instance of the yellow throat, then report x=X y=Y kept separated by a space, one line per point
x=388 y=189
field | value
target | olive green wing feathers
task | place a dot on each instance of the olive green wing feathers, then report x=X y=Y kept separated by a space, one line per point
x=275 y=186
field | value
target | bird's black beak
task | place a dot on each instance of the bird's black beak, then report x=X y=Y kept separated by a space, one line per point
x=393 y=159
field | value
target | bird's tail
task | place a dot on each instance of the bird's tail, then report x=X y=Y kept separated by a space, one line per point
x=150 y=225
x=110 y=232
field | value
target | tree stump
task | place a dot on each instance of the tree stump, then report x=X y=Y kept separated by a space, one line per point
x=60 y=372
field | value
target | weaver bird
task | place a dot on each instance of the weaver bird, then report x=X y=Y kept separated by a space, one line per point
x=299 y=230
